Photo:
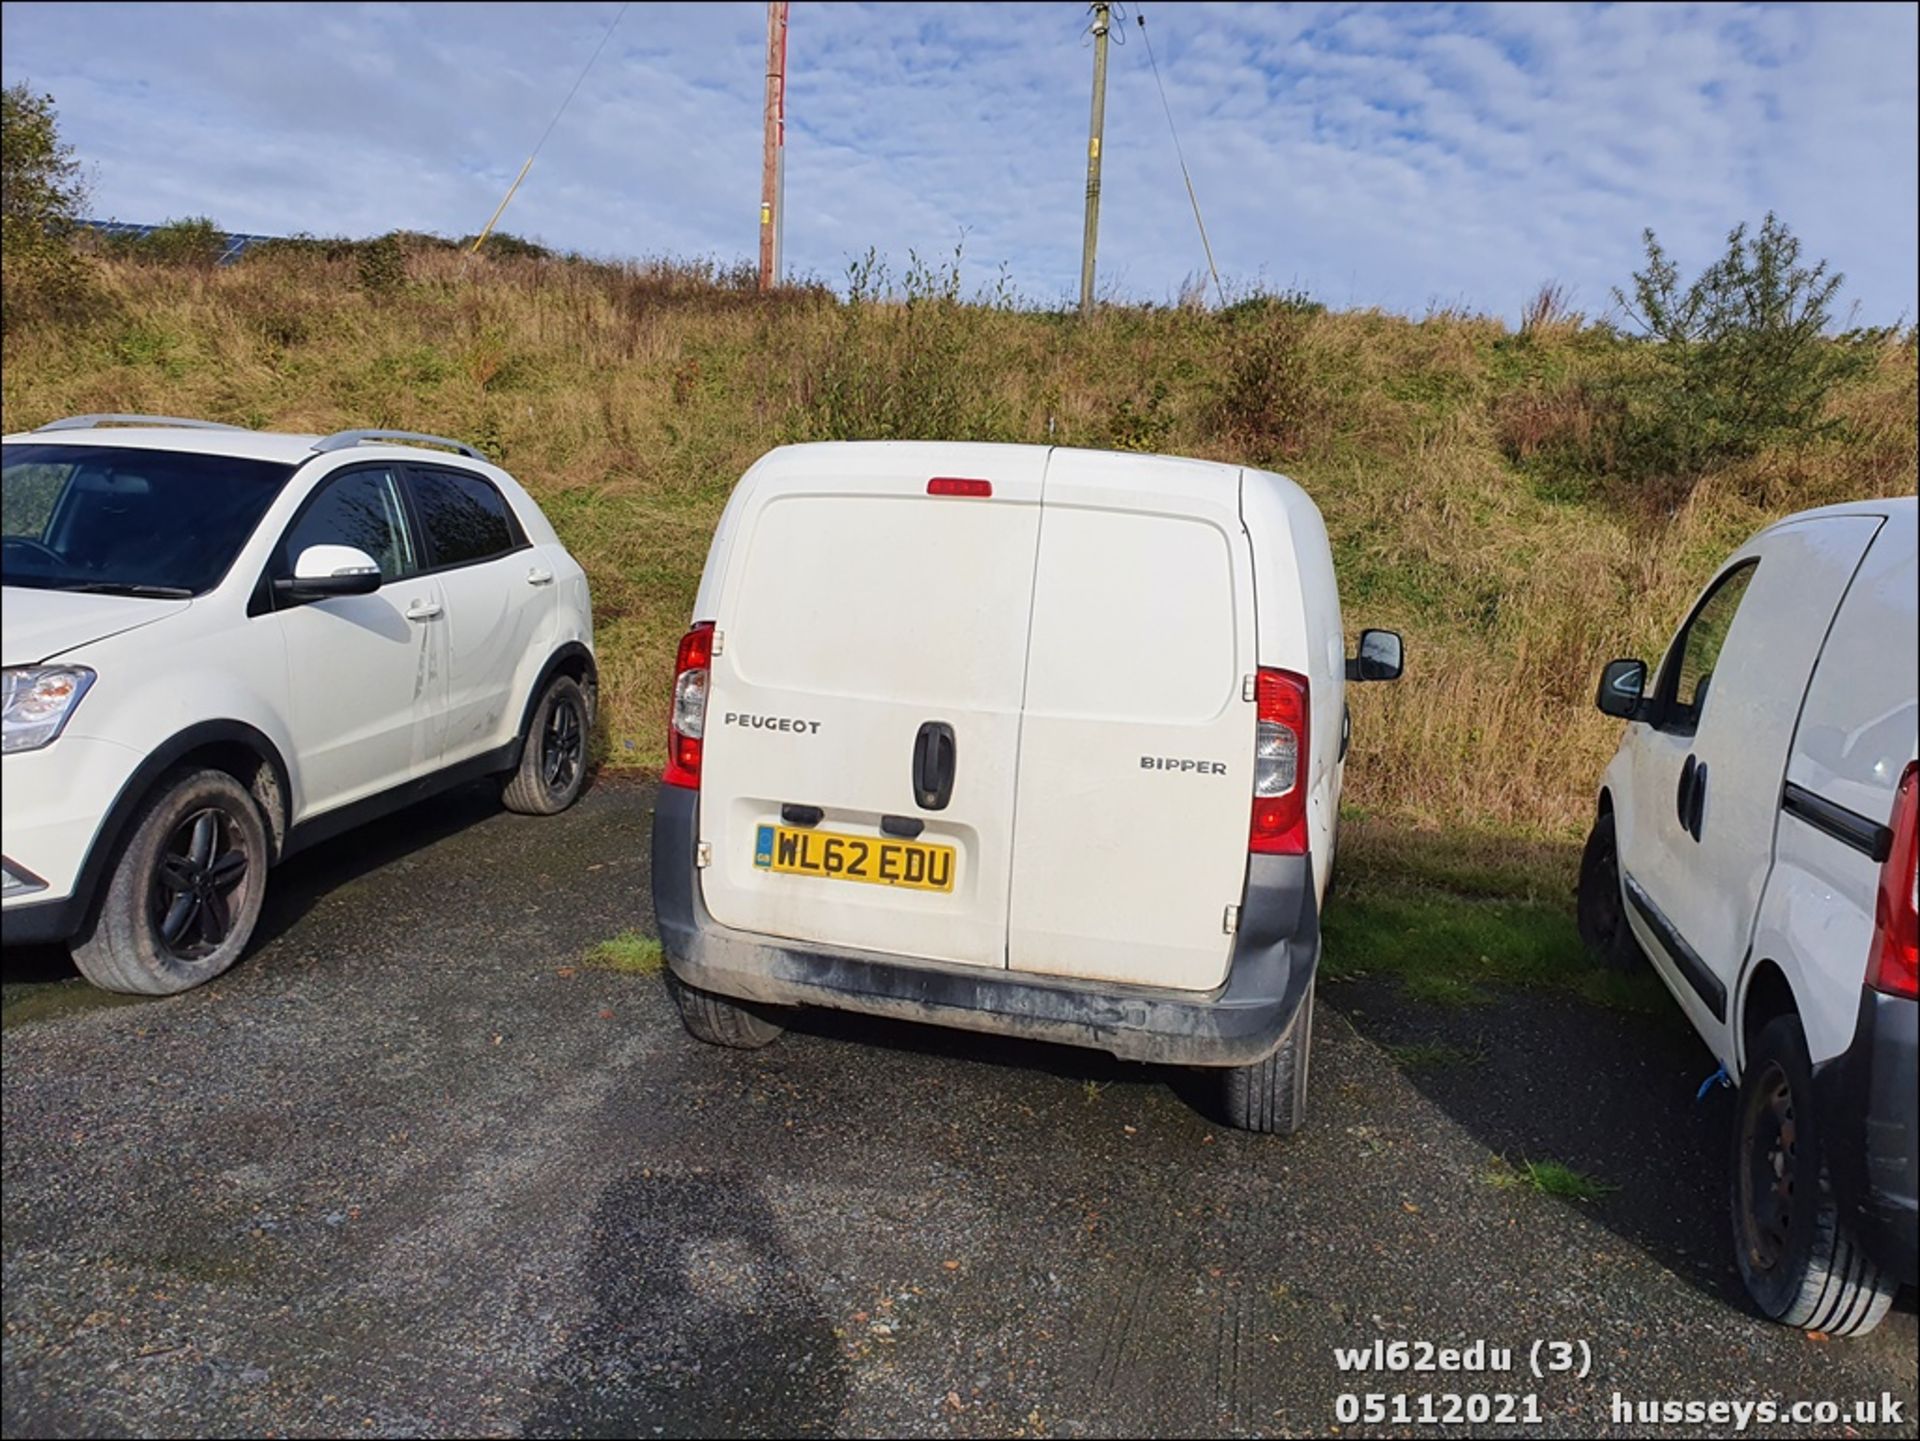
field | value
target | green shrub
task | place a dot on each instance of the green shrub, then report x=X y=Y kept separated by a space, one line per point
x=41 y=186
x=1735 y=362
x=382 y=265
x=905 y=364
x=42 y=191
x=1268 y=400
x=196 y=242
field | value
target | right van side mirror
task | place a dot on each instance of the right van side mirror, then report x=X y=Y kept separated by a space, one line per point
x=1379 y=658
x=1622 y=684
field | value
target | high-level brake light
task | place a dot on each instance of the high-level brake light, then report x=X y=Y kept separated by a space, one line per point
x=955 y=485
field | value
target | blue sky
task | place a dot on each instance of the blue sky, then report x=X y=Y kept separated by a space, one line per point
x=1401 y=156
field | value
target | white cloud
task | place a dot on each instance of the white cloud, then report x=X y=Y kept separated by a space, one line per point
x=1374 y=155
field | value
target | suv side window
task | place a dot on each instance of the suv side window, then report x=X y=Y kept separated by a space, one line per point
x=465 y=518
x=1690 y=665
x=362 y=508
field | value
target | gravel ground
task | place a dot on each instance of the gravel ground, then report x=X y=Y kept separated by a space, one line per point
x=412 y=1168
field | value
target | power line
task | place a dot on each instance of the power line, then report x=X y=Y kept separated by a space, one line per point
x=579 y=80
x=1141 y=20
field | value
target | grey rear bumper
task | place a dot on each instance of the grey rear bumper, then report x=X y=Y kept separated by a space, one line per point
x=1276 y=949
x=1873 y=1130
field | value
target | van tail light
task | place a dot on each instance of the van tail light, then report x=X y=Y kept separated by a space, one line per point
x=1893 y=966
x=687 y=721
x=1280 y=764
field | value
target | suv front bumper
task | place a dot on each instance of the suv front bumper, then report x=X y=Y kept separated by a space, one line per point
x=52 y=803
x=1868 y=1102
x=1276 y=949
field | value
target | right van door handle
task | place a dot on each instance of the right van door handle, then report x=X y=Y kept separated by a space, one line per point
x=423 y=610
x=935 y=758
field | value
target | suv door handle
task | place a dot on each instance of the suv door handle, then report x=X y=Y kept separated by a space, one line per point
x=539 y=575
x=423 y=610
x=935 y=757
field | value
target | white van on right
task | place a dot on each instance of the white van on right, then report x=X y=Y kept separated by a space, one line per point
x=1756 y=839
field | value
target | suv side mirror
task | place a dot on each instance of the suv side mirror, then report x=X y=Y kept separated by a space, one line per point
x=1621 y=686
x=330 y=570
x=1379 y=657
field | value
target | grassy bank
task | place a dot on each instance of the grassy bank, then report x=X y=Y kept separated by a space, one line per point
x=1466 y=470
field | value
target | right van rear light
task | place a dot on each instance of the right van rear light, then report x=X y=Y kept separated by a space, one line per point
x=687 y=720
x=1280 y=764
x=1893 y=966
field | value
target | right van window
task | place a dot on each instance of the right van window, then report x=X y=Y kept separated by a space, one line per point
x=1696 y=650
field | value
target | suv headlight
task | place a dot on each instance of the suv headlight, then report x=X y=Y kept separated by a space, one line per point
x=36 y=703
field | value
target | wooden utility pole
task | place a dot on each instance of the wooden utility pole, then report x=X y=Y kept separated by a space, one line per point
x=1102 y=20
x=773 y=165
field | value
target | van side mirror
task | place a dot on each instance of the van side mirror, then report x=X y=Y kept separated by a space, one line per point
x=329 y=570
x=1379 y=656
x=1622 y=684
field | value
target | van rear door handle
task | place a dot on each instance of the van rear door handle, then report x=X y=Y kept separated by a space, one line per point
x=935 y=757
x=423 y=610
x=539 y=575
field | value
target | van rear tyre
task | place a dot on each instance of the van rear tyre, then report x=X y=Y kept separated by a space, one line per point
x=721 y=1020
x=1270 y=1096
x=1800 y=1264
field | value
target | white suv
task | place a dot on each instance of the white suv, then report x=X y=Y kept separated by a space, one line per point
x=222 y=645
x=1756 y=838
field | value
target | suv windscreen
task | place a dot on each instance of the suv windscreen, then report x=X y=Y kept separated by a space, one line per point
x=127 y=520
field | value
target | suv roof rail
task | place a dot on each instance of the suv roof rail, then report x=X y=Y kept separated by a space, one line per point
x=342 y=439
x=94 y=422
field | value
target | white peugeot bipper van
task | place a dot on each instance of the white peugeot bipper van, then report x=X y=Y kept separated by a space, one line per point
x=1757 y=839
x=1015 y=739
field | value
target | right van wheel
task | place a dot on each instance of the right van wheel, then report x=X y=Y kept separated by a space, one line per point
x=720 y=1020
x=1800 y=1264
x=1270 y=1096
x=1600 y=911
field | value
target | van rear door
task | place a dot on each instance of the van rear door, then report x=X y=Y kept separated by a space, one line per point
x=1136 y=749
x=871 y=638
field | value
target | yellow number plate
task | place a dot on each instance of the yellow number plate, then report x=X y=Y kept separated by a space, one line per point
x=880 y=861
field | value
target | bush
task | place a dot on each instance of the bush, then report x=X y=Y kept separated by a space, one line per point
x=196 y=242
x=41 y=188
x=901 y=367
x=1738 y=361
x=1268 y=400
x=41 y=193
x=382 y=265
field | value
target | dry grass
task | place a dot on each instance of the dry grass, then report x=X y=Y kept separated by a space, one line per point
x=1447 y=455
